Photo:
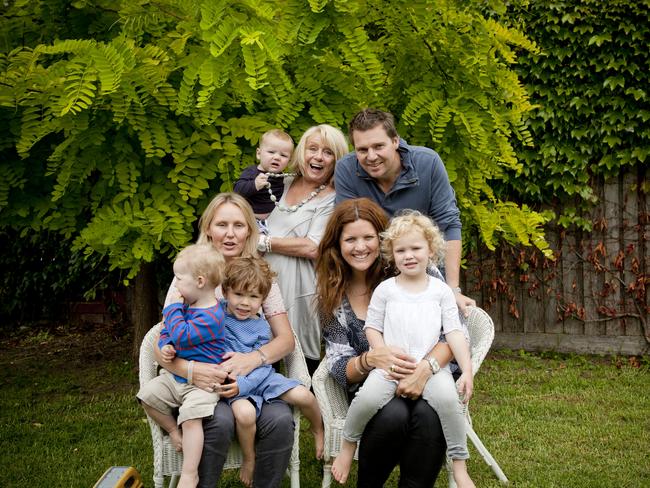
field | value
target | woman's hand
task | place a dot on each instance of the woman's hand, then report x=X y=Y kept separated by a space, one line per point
x=208 y=376
x=393 y=360
x=465 y=387
x=412 y=385
x=240 y=364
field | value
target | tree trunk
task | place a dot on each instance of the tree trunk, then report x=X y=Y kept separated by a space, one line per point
x=143 y=299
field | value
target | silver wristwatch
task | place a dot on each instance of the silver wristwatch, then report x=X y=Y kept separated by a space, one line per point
x=433 y=362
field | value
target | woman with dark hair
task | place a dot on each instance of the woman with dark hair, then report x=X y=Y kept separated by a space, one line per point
x=348 y=269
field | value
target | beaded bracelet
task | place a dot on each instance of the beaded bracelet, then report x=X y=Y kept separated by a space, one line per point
x=264 y=244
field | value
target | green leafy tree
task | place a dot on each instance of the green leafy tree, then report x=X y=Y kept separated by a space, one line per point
x=123 y=118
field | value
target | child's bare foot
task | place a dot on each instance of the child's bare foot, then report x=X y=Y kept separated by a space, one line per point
x=461 y=477
x=188 y=480
x=319 y=441
x=343 y=462
x=246 y=471
x=176 y=438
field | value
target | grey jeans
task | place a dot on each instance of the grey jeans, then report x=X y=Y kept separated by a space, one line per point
x=273 y=444
x=439 y=392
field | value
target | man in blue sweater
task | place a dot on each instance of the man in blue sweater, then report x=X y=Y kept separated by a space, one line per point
x=384 y=168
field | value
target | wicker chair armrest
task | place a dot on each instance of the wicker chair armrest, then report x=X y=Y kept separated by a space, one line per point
x=332 y=398
x=481 y=332
x=148 y=367
x=296 y=364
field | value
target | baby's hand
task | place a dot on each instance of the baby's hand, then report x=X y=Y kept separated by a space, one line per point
x=261 y=180
x=168 y=353
x=175 y=295
x=465 y=387
x=229 y=388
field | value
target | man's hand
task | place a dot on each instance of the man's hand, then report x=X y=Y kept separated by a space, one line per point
x=464 y=303
x=168 y=353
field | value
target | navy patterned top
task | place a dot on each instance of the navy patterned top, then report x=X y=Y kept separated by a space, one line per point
x=344 y=339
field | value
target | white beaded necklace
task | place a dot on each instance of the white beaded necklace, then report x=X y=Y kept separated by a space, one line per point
x=295 y=207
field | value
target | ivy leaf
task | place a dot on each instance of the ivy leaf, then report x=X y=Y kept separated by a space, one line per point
x=641 y=153
x=599 y=39
x=613 y=81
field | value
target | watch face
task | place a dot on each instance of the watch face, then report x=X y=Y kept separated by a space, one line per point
x=434 y=365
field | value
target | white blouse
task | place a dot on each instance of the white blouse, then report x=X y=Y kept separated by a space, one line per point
x=413 y=321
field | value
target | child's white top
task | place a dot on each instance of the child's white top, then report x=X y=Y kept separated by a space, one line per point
x=413 y=321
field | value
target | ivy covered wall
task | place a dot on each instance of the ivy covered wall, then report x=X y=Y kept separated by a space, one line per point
x=588 y=166
x=589 y=84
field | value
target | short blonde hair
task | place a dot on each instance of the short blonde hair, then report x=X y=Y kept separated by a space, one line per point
x=278 y=134
x=332 y=137
x=248 y=274
x=204 y=260
x=408 y=221
x=250 y=248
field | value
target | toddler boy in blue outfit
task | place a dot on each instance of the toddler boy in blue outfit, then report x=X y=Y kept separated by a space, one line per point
x=194 y=330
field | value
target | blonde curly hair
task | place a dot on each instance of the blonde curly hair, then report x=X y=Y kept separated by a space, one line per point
x=408 y=221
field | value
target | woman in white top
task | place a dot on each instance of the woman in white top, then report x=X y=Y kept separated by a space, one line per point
x=296 y=226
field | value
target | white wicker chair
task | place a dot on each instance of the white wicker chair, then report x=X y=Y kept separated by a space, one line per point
x=333 y=401
x=168 y=462
x=481 y=335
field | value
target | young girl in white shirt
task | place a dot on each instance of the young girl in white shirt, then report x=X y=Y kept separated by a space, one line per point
x=409 y=312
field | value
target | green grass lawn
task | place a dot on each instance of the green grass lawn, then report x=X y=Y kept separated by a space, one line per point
x=67 y=413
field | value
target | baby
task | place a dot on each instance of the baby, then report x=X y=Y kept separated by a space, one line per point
x=273 y=155
x=193 y=329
